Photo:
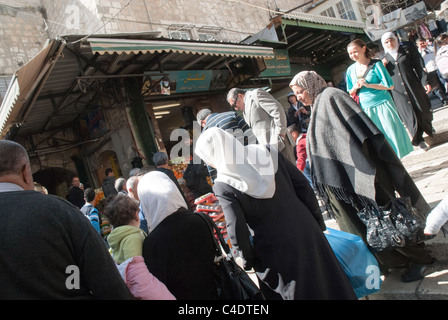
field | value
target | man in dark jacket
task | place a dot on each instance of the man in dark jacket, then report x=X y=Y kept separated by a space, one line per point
x=75 y=194
x=61 y=256
x=109 y=184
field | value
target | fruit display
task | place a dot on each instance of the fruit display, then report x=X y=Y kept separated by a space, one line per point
x=178 y=169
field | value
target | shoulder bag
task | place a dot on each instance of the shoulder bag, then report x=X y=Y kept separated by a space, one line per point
x=233 y=281
x=393 y=226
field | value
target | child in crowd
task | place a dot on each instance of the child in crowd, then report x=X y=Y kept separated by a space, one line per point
x=126 y=241
x=126 y=238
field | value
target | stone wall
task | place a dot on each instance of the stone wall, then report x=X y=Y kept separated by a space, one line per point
x=22 y=33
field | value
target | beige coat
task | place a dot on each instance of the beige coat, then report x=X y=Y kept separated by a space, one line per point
x=267 y=118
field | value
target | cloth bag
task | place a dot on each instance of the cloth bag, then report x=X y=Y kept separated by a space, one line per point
x=393 y=226
x=233 y=281
x=357 y=261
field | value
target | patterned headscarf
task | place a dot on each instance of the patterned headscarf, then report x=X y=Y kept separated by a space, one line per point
x=310 y=81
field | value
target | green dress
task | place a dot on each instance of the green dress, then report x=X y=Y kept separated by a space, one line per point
x=380 y=107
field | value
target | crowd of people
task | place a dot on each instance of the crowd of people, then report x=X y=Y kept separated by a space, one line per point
x=268 y=168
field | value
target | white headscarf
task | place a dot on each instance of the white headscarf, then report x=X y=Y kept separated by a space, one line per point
x=393 y=52
x=249 y=169
x=159 y=197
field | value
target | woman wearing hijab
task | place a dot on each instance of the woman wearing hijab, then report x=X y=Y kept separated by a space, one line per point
x=405 y=66
x=265 y=198
x=374 y=98
x=353 y=167
x=179 y=250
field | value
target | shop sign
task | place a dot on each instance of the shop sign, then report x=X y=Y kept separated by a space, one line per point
x=277 y=66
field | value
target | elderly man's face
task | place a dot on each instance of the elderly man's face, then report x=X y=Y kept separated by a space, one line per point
x=237 y=104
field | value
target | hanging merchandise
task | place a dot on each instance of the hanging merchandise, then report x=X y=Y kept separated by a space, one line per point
x=209 y=205
x=424 y=31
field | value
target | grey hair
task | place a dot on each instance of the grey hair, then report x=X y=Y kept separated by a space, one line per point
x=203 y=114
x=234 y=92
x=131 y=183
x=120 y=184
x=13 y=157
x=160 y=158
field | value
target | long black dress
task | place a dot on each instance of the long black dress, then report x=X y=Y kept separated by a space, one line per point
x=180 y=252
x=290 y=253
x=413 y=104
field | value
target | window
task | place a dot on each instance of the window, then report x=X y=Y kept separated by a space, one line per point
x=179 y=31
x=4 y=84
x=345 y=10
x=328 y=13
x=209 y=33
x=179 y=35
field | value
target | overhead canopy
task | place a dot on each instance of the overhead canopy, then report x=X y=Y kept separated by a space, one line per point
x=23 y=85
x=72 y=77
x=129 y=46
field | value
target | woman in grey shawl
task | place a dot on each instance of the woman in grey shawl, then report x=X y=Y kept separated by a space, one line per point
x=354 y=167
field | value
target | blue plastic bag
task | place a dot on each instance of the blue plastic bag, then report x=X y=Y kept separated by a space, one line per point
x=357 y=261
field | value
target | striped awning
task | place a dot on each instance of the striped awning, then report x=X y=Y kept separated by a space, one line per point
x=128 y=46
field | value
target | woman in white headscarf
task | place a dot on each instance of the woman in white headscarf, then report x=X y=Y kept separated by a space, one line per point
x=406 y=67
x=273 y=219
x=179 y=250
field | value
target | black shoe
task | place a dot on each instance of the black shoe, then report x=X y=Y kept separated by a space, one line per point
x=414 y=273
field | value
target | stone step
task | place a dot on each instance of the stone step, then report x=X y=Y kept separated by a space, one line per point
x=434 y=286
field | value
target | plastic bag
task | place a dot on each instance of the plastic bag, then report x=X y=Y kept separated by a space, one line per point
x=357 y=261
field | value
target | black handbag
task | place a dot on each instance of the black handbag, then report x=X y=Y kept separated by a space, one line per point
x=233 y=282
x=393 y=226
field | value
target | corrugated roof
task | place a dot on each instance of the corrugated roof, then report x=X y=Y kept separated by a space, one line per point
x=314 y=18
x=129 y=46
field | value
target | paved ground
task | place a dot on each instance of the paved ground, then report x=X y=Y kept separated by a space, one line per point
x=429 y=171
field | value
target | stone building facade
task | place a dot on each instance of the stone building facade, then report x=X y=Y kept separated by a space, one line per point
x=27 y=24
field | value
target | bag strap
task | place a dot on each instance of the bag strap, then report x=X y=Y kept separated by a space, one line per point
x=213 y=227
x=369 y=67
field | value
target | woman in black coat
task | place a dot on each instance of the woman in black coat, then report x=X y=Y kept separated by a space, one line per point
x=179 y=250
x=273 y=219
x=405 y=66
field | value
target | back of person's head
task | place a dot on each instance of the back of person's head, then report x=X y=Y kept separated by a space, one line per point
x=108 y=170
x=131 y=182
x=120 y=184
x=121 y=210
x=134 y=172
x=294 y=128
x=442 y=40
x=203 y=114
x=89 y=194
x=160 y=158
x=14 y=158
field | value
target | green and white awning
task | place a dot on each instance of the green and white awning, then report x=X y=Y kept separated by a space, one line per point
x=103 y=46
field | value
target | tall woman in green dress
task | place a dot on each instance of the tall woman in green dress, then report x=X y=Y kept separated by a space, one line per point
x=374 y=98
